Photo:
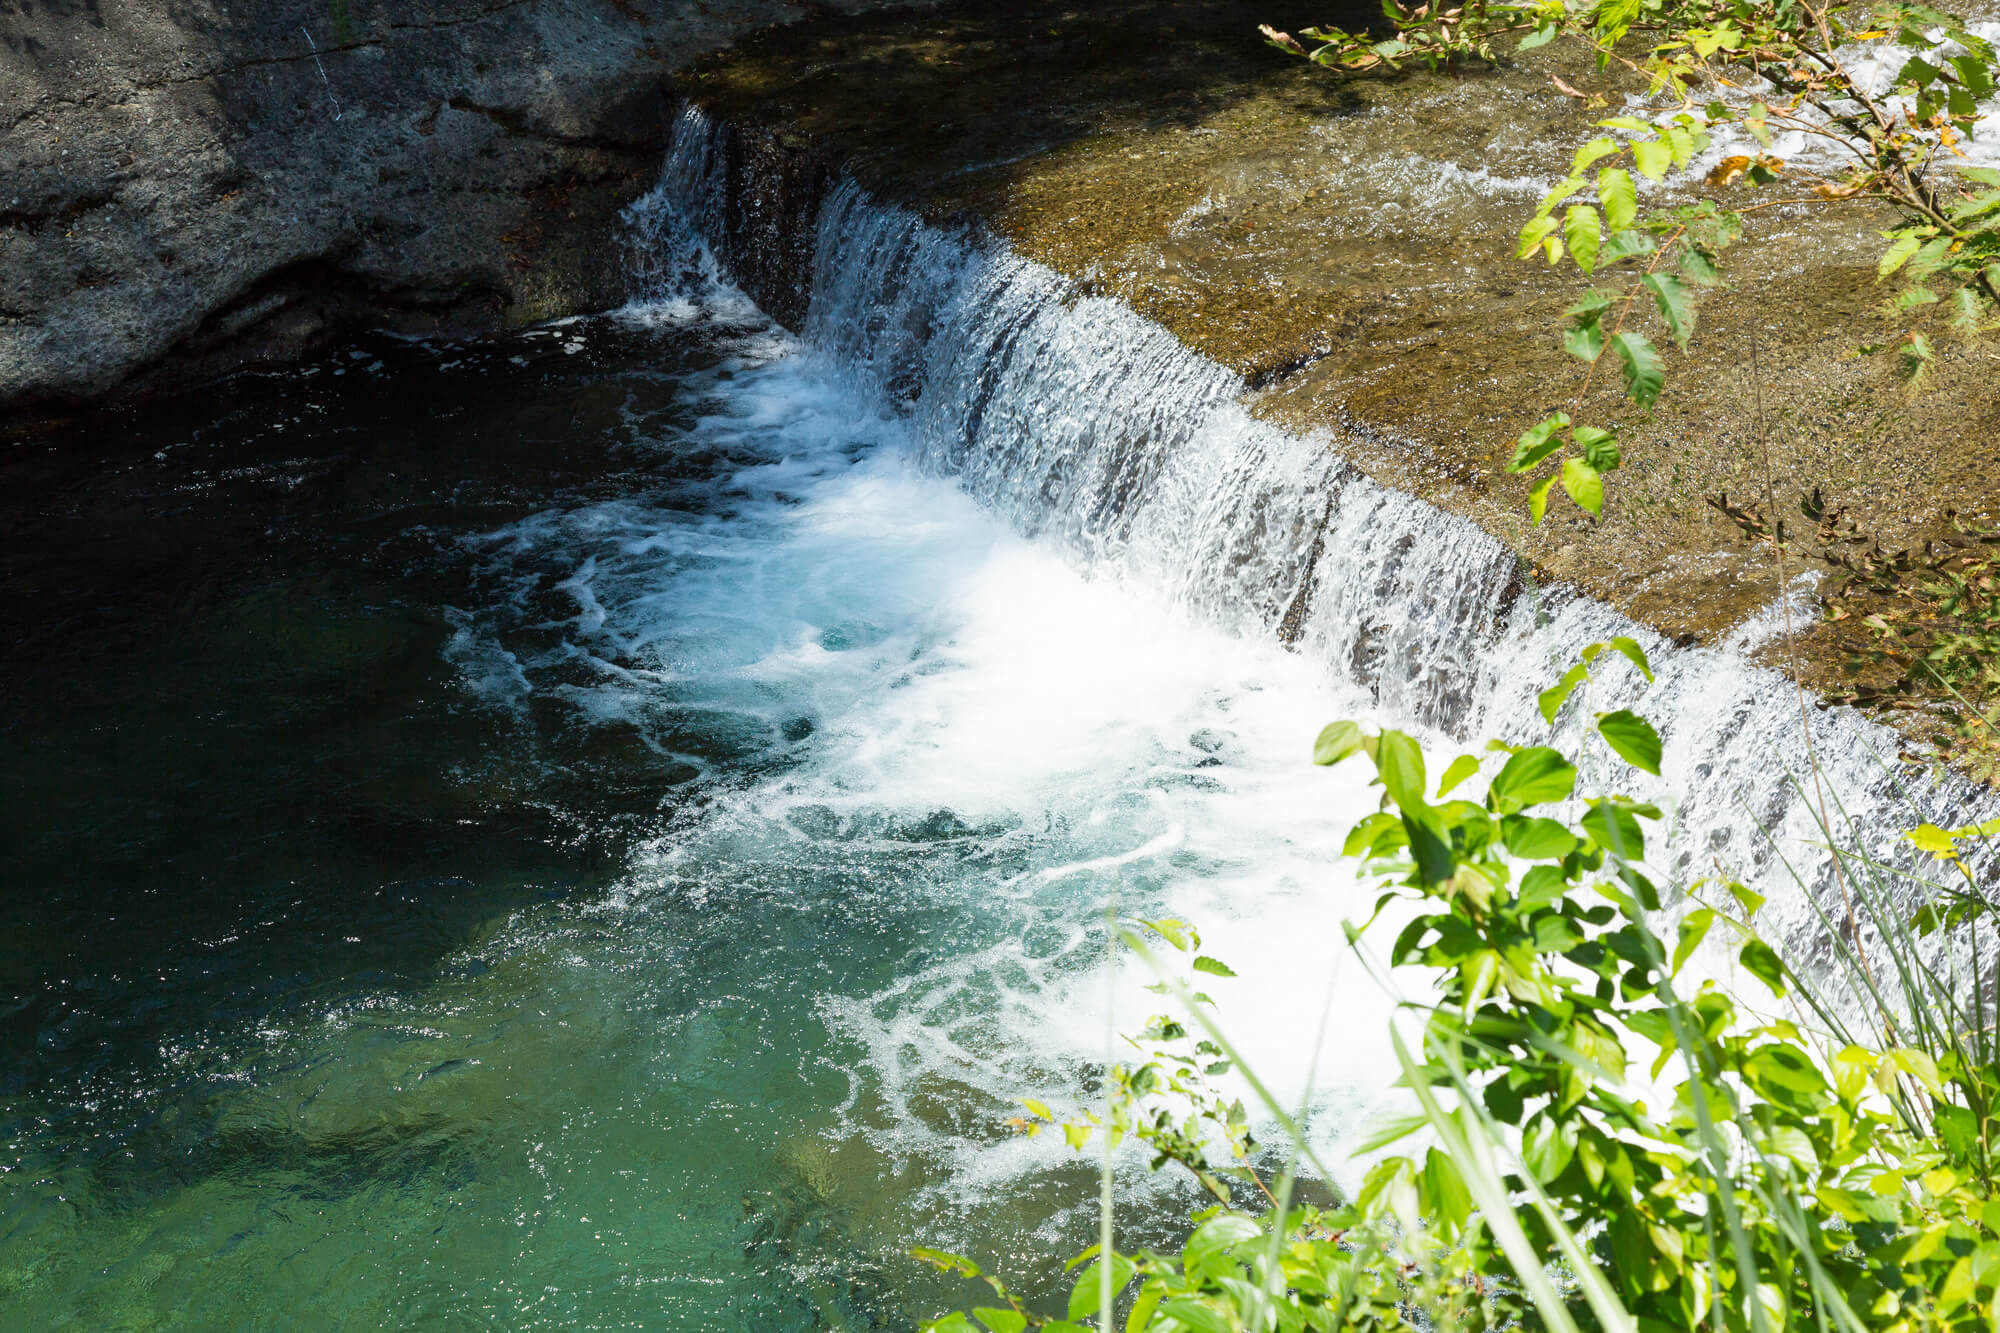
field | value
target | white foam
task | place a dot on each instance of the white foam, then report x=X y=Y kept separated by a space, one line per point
x=1114 y=594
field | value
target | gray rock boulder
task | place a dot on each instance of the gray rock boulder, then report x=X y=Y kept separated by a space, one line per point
x=189 y=187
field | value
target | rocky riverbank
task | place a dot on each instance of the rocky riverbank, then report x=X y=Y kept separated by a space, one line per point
x=190 y=188
x=1345 y=245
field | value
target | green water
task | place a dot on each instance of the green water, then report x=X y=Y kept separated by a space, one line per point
x=569 y=832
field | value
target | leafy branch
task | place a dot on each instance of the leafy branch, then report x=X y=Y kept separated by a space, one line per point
x=1609 y=1141
x=1767 y=67
x=1931 y=612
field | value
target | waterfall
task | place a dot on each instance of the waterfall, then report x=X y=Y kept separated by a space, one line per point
x=1090 y=428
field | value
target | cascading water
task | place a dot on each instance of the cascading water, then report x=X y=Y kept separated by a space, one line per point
x=1087 y=426
x=602 y=833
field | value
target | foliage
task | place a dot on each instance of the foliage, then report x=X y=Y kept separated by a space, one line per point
x=1765 y=67
x=1166 y=1100
x=1931 y=613
x=1746 y=1172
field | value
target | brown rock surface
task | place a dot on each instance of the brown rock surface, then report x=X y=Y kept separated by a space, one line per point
x=1345 y=244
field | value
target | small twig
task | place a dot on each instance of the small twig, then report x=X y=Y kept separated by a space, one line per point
x=1792 y=648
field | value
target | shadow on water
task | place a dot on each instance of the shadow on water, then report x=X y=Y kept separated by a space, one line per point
x=237 y=769
x=970 y=90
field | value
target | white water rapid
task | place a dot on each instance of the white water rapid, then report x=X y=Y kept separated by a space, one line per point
x=1097 y=434
x=837 y=682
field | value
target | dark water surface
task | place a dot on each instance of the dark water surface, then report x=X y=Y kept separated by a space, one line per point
x=570 y=831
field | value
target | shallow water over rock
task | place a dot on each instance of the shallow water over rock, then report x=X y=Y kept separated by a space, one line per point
x=1345 y=245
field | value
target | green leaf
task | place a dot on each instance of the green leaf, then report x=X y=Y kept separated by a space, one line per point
x=1380 y=1133
x=1140 y=1317
x=1918 y=72
x=1645 y=373
x=1597 y=1047
x=1400 y=761
x=1581 y=233
x=1974 y=74
x=1624 y=245
x=1600 y=447
x=1619 y=195
x=1585 y=339
x=1979 y=205
x=1786 y=1076
x=1533 y=776
x=1380 y=834
x=1459 y=770
x=1917 y=1064
x=1535 y=839
x=1336 y=741
x=1214 y=1239
x=1681 y=144
x=1616 y=829
x=1671 y=295
x=1538 y=498
x=1959 y=1128
x=1556 y=934
x=1762 y=962
x=1584 y=484
x=1541 y=36
x=1968 y=308
x=1930 y=257
x=1757 y=121
x=1633 y=738
x=1448 y=1200
x=1899 y=250
x=1694 y=926
x=1001 y=1321
x=1625 y=644
x=1602 y=146
x=1213 y=967
x=1593 y=302
x=1652 y=157
x=1087 y=1296
x=1749 y=900
x=1542 y=886
x=947 y=1262
x=1930 y=838
x=1198 y=1316
x=1547 y=1147
x=1552 y=698
x=1537 y=442
x=1533 y=235
x=1698 y=267
x=1429 y=846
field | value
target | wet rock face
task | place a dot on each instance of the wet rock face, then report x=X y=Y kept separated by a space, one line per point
x=190 y=187
x=1345 y=246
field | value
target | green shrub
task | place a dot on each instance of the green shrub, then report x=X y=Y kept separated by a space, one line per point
x=1744 y=1172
